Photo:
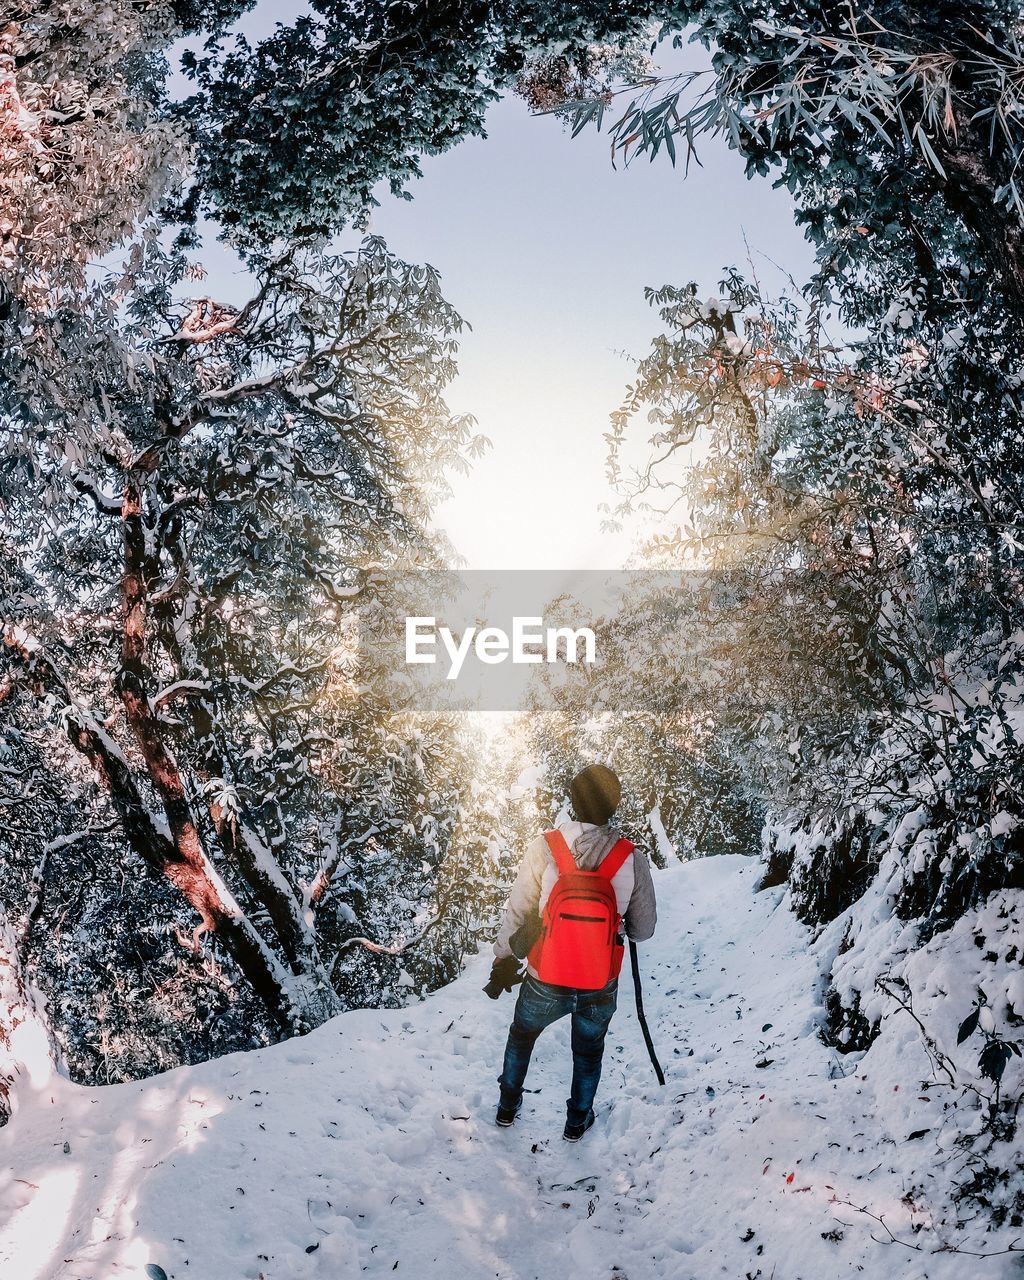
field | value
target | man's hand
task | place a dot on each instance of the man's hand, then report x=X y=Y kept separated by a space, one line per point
x=505 y=974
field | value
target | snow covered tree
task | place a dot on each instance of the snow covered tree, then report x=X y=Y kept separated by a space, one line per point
x=863 y=496
x=86 y=147
x=382 y=890
x=195 y=493
x=302 y=112
x=865 y=510
x=81 y=155
x=653 y=709
x=856 y=477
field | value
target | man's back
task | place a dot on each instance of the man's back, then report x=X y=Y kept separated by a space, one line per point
x=590 y=844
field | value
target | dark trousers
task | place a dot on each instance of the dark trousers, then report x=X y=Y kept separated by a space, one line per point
x=539 y=1004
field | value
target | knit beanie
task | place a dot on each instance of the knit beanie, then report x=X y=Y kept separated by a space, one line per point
x=595 y=793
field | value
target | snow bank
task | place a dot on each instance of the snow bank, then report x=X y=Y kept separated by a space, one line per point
x=368 y=1148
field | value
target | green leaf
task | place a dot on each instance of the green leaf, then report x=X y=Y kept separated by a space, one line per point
x=993 y=1060
x=929 y=153
x=967 y=1026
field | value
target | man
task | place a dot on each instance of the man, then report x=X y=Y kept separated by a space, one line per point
x=586 y=845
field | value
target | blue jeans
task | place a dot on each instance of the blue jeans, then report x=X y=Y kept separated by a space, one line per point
x=539 y=1004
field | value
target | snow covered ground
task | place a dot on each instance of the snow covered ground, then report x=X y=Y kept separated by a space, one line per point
x=368 y=1148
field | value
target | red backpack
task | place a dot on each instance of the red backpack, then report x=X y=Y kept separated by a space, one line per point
x=579 y=944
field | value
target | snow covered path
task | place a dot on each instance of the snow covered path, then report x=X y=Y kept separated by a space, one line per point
x=368 y=1148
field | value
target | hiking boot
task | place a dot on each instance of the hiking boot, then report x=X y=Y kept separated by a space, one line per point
x=573 y=1132
x=505 y=1116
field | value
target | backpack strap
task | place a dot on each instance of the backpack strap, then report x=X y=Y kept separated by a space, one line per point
x=613 y=861
x=561 y=853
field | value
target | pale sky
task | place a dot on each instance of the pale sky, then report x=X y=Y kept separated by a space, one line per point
x=545 y=250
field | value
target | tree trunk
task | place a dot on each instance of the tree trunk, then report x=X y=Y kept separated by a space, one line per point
x=290 y=1001
x=243 y=846
x=310 y=999
x=194 y=878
